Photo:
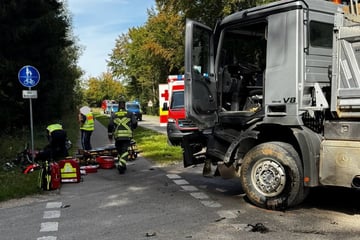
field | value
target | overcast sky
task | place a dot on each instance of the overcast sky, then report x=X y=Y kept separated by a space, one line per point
x=97 y=24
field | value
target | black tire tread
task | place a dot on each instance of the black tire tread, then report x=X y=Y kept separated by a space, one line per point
x=293 y=193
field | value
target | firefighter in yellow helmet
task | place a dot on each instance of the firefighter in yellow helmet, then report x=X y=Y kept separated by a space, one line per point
x=121 y=126
x=56 y=149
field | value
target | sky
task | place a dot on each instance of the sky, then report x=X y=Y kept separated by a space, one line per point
x=98 y=23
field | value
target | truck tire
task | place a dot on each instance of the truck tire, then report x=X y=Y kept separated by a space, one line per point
x=272 y=176
x=304 y=191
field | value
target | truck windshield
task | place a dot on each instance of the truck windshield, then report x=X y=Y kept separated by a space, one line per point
x=242 y=61
x=177 y=100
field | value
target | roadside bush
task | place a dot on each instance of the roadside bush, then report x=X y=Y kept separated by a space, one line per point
x=13 y=183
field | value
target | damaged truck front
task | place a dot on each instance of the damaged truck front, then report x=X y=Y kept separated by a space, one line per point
x=275 y=92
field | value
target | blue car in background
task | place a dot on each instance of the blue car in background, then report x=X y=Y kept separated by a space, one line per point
x=134 y=107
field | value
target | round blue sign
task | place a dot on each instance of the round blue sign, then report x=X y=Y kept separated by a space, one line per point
x=29 y=76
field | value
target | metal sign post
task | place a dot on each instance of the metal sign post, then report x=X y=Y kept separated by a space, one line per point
x=29 y=77
x=31 y=129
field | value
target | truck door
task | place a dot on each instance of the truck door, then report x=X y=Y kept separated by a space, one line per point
x=200 y=84
x=346 y=71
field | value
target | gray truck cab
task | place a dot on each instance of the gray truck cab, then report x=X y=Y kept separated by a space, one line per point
x=260 y=87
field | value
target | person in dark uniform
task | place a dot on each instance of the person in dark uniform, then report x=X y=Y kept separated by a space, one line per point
x=56 y=149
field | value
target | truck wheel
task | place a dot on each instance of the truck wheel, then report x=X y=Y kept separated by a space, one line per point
x=272 y=176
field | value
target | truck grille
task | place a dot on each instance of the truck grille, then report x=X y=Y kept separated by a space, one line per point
x=185 y=123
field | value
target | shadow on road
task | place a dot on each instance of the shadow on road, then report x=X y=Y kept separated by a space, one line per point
x=334 y=199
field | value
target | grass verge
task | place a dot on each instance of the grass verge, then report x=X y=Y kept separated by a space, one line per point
x=14 y=184
x=154 y=146
x=151 y=144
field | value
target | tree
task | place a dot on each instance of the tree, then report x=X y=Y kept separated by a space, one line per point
x=145 y=56
x=36 y=33
x=101 y=88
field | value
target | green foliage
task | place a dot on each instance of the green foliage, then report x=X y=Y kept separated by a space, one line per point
x=154 y=146
x=14 y=184
x=12 y=144
x=146 y=55
x=71 y=125
x=36 y=33
x=151 y=144
x=101 y=88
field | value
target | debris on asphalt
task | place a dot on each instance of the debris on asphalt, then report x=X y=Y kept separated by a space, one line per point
x=258 y=227
x=150 y=234
x=220 y=219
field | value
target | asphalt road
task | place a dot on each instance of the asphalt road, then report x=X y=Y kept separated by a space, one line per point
x=154 y=202
x=153 y=123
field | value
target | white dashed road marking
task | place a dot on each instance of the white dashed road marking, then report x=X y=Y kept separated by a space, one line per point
x=194 y=191
x=189 y=188
x=52 y=226
x=181 y=182
x=211 y=204
x=53 y=204
x=49 y=227
x=47 y=238
x=51 y=214
x=199 y=195
x=173 y=176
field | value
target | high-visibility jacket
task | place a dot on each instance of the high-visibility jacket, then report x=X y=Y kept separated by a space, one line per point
x=123 y=125
x=89 y=123
x=54 y=127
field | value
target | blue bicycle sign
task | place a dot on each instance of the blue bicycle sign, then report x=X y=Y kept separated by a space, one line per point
x=29 y=76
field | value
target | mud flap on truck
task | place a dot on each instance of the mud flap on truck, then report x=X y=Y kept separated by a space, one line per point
x=193 y=149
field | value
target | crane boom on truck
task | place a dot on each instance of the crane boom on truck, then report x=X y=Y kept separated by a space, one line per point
x=275 y=92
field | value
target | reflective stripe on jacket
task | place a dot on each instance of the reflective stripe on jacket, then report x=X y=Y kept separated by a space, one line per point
x=54 y=127
x=89 y=123
x=123 y=125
